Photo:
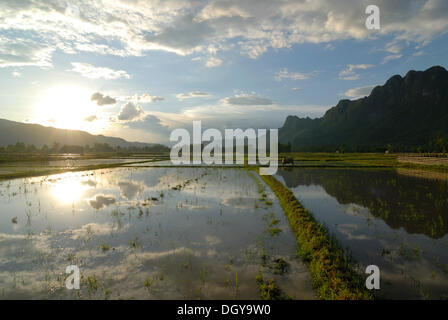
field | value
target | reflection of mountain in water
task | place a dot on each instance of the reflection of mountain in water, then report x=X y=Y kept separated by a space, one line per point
x=417 y=205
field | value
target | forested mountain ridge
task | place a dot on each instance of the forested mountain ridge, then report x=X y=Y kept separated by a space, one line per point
x=405 y=114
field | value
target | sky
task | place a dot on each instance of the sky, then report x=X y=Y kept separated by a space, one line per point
x=138 y=69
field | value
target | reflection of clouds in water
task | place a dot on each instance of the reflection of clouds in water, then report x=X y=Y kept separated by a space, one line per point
x=150 y=180
x=101 y=201
x=356 y=210
x=130 y=190
x=123 y=269
x=212 y=240
x=412 y=278
x=348 y=230
x=192 y=207
x=6 y=237
x=89 y=183
x=239 y=202
x=93 y=229
x=141 y=257
x=311 y=192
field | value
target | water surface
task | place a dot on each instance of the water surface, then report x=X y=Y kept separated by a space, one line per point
x=145 y=233
x=398 y=222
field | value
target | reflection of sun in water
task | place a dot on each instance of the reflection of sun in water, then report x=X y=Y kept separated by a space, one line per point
x=68 y=190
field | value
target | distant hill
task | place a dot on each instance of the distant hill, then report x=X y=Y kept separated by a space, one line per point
x=12 y=132
x=405 y=114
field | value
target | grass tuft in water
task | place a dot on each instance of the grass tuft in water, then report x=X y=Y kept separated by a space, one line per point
x=269 y=290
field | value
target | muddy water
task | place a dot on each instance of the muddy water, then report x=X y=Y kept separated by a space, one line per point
x=398 y=222
x=145 y=233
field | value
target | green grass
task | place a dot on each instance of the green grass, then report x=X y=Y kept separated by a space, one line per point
x=269 y=290
x=331 y=272
x=45 y=172
x=424 y=167
x=305 y=159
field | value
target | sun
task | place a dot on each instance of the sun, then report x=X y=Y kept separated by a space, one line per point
x=67 y=107
x=67 y=188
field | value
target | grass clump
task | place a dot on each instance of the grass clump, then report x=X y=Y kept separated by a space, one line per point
x=331 y=273
x=279 y=266
x=269 y=290
x=104 y=247
x=274 y=231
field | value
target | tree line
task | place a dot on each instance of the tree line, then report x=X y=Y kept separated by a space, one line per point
x=57 y=148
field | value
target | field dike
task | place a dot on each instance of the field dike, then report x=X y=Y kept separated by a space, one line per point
x=332 y=275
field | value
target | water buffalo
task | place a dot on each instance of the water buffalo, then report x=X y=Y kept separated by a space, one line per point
x=286 y=161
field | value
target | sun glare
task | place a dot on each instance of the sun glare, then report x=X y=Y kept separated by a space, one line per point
x=68 y=190
x=67 y=107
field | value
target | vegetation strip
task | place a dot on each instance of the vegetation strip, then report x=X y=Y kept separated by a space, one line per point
x=40 y=173
x=331 y=273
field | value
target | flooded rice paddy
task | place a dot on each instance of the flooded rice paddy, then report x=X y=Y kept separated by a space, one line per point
x=398 y=222
x=146 y=233
x=207 y=233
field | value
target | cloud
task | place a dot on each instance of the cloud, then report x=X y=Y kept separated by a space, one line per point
x=92 y=228
x=91 y=72
x=218 y=10
x=91 y=118
x=359 y=92
x=102 y=100
x=156 y=126
x=247 y=100
x=130 y=112
x=213 y=62
x=146 y=98
x=130 y=190
x=143 y=98
x=391 y=57
x=349 y=72
x=285 y=74
x=185 y=27
x=392 y=47
x=101 y=201
x=192 y=95
x=20 y=52
x=146 y=128
x=16 y=74
x=296 y=89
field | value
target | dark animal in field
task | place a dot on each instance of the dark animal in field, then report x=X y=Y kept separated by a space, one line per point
x=286 y=161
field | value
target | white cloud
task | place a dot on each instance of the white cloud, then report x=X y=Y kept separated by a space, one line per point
x=349 y=72
x=20 y=52
x=213 y=62
x=91 y=118
x=217 y=10
x=391 y=57
x=247 y=100
x=130 y=28
x=296 y=89
x=156 y=126
x=253 y=48
x=102 y=100
x=392 y=47
x=192 y=95
x=92 y=72
x=130 y=112
x=16 y=74
x=359 y=92
x=146 y=98
x=285 y=74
